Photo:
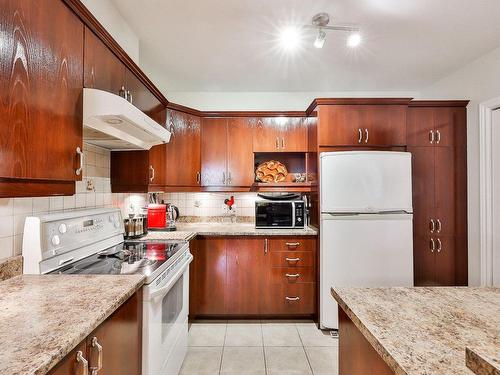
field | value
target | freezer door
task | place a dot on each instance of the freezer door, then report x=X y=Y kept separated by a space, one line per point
x=367 y=250
x=365 y=181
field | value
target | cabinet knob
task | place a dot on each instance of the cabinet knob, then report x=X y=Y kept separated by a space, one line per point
x=152 y=174
x=294 y=275
x=277 y=143
x=292 y=244
x=198 y=177
x=282 y=142
x=266 y=246
x=292 y=260
x=84 y=363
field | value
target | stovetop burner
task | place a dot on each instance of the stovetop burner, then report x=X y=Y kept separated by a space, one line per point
x=129 y=257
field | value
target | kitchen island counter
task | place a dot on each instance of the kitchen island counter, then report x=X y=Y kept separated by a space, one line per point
x=43 y=317
x=423 y=331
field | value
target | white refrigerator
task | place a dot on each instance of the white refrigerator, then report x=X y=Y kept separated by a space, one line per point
x=366 y=223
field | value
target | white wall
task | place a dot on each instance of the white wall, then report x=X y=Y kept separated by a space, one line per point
x=109 y=16
x=269 y=101
x=478 y=81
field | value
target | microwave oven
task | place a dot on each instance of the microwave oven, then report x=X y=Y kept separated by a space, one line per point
x=279 y=214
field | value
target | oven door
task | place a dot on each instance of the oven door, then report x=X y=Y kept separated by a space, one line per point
x=274 y=214
x=165 y=326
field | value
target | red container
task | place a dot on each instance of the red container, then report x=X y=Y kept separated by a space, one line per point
x=157 y=216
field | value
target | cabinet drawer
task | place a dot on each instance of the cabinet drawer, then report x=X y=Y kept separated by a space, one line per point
x=292 y=259
x=292 y=275
x=292 y=244
x=296 y=299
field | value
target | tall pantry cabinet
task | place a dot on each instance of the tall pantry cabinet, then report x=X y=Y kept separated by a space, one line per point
x=437 y=140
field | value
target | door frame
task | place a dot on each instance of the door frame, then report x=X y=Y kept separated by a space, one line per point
x=486 y=189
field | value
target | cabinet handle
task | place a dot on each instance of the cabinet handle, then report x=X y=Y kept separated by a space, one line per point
x=95 y=344
x=439 y=226
x=80 y=153
x=292 y=259
x=360 y=135
x=152 y=174
x=431 y=136
x=440 y=245
x=266 y=246
x=292 y=275
x=432 y=245
x=123 y=93
x=198 y=177
x=432 y=226
x=129 y=97
x=282 y=142
x=438 y=133
x=229 y=178
x=85 y=364
x=277 y=143
x=367 y=133
x=292 y=244
x=223 y=178
x=292 y=298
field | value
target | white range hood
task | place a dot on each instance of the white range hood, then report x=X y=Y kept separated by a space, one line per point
x=112 y=122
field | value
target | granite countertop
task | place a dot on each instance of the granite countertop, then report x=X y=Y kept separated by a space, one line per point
x=484 y=359
x=426 y=330
x=187 y=231
x=43 y=317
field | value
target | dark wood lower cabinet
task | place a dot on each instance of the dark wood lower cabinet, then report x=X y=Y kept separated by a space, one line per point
x=251 y=276
x=356 y=355
x=120 y=337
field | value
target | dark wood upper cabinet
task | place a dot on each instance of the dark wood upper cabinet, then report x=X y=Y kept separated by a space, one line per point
x=102 y=69
x=183 y=150
x=279 y=134
x=362 y=125
x=142 y=98
x=226 y=152
x=41 y=71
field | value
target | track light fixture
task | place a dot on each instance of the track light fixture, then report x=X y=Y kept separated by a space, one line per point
x=320 y=22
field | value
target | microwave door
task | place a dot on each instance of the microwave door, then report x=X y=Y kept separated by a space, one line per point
x=275 y=214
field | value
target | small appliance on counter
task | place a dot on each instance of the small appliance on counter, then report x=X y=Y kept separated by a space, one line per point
x=135 y=226
x=280 y=211
x=162 y=217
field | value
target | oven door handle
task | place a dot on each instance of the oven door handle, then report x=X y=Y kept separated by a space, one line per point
x=164 y=289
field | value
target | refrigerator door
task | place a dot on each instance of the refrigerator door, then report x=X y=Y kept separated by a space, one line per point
x=368 y=250
x=365 y=181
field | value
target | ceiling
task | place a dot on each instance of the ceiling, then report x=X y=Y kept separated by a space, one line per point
x=230 y=45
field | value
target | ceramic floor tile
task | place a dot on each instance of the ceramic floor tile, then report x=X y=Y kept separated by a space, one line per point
x=207 y=334
x=243 y=361
x=202 y=361
x=324 y=361
x=286 y=361
x=280 y=335
x=243 y=335
x=312 y=336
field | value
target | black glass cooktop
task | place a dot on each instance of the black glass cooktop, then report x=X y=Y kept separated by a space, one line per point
x=129 y=257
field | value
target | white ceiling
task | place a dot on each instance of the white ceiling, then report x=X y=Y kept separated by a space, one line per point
x=230 y=45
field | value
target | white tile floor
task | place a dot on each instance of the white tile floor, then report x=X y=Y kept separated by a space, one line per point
x=259 y=348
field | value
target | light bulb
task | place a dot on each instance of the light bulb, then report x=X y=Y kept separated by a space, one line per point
x=320 y=39
x=354 y=40
x=289 y=38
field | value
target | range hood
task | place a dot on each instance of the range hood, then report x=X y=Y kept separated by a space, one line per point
x=112 y=122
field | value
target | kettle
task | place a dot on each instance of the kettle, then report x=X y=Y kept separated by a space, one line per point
x=172 y=216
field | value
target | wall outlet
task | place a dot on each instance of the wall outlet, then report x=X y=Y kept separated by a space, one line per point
x=90 y=185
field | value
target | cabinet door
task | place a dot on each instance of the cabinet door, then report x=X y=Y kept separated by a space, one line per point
x=209 y=280
x=214 y=152
x=423 y=189
x=41 y=70
x=73 y=363
x=266 y=134
x=445 y=261
x=245 y=275
x=121 y=339
x=240 y=159
x=339 y=125
x=445 y=190
x=420 y=123
x=424 y=261
x=142 y=98
x=130 y=171
x=293 y=135
x=157 y=167
x=102 y=69
x=183 y=150
x=386 y=124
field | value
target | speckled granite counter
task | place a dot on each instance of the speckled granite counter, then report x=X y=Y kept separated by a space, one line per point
x=11 y=267
x=42 y=318
x=187 y=231
x=484 y=359
x=425 y=330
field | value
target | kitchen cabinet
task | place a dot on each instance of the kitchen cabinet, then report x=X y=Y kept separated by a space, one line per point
x=183 y=150
x=279 y=134
x=41 y=71
x=437 y=138
x=141 y=97
x=245 y=276
x=102 y=69
x=226 y=154
x=116 y=344
x=140 y=171
x=362 y=125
